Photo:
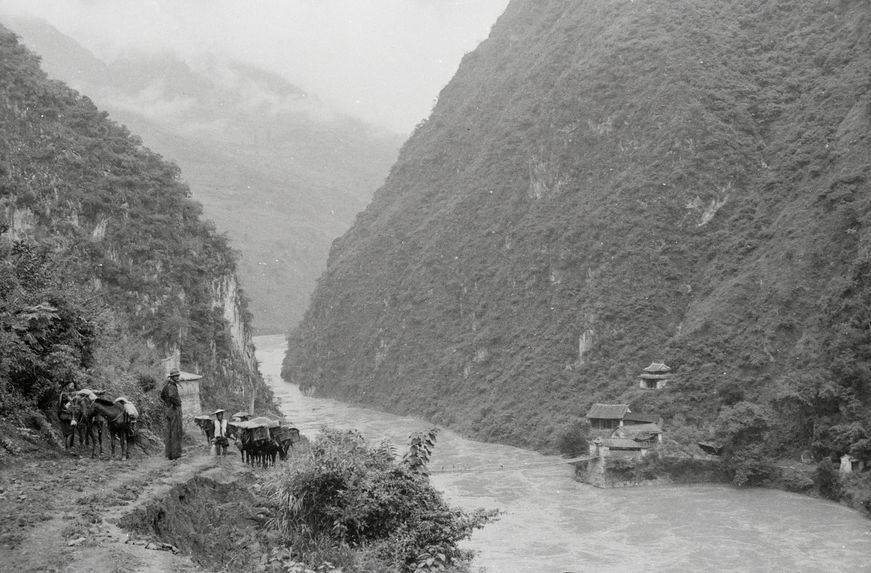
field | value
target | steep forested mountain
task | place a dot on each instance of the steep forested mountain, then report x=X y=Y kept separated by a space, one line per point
x=606 y=184
x=107 y=263
x=274 y=167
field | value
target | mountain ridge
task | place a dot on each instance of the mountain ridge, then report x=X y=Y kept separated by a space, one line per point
x=110 y=275
x=603 y=185
x=249 y=144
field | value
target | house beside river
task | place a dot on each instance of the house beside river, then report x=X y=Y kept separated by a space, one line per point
x=618 y=439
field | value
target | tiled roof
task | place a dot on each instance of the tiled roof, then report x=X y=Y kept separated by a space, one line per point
x=608 y=411
x=639 y=417
x=657 y=368
x=642 y=428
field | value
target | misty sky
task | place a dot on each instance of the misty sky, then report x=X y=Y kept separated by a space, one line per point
x=383 y=61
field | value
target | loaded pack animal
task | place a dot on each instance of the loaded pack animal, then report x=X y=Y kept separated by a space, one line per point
x=206 y=426
x=244 y=441
x=87 y=421
x=119 y=423
x=261 y=440
x=285 y=437
x=251 y=441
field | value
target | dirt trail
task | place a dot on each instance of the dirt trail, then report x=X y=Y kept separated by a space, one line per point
x=60 y=514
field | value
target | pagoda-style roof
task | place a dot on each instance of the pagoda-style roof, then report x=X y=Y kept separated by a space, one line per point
x=608 y=411
x=657 y=368
x=655 y=376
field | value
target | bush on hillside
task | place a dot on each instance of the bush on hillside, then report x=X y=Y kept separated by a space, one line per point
x=47 y=329
x=857 y=491
x=574 y=439
x=344 y=493
x=742 y=429
x=828 y=480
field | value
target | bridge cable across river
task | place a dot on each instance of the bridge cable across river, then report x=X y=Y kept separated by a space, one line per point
x=503 y=468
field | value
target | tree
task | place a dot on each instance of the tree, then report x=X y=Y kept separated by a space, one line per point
x=574 y=439
x=742 y=429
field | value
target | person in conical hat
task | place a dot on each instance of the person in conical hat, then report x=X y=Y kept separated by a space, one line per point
x=221 y=441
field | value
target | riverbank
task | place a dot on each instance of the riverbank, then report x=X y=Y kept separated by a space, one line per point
x=815 y=481
x=652 y=470
x=550 y=522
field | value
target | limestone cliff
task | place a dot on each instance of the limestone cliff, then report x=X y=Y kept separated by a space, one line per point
x=103 y=251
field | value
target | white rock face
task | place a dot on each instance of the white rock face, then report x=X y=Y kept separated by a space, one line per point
x=225 y=294
x=21 y=222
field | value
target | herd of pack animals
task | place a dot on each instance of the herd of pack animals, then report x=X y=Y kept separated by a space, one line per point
x=88 y=415
x=260 y=440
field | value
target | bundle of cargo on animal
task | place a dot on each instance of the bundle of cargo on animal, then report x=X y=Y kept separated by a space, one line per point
x=70 y=426
x=234 y=429
x=261 y=440
x=285 y=437
x=91 y=411
x=240 y=416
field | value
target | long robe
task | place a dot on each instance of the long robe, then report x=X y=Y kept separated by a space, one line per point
x=172 y=412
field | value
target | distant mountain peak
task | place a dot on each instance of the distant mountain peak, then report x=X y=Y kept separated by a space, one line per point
x=276 y=167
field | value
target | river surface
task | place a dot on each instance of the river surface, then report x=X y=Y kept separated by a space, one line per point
x=550 y=523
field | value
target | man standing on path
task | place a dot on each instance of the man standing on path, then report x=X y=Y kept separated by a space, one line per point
x=221 y=441
x=172 y=410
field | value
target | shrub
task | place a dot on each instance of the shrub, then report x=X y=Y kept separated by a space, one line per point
x=350 y=494
x=743 y=429
x=574 y=439
x=828 y=481
x=749 y=467
x=795 y=480
x=856 y=490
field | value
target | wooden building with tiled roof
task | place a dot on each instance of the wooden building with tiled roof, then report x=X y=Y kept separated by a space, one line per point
x=607 y=416
x=655 y=376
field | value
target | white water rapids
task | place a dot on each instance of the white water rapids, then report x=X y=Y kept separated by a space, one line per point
x=550 y=523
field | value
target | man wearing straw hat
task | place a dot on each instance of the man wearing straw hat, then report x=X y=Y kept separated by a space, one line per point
x=172 y=412
x=221 y=442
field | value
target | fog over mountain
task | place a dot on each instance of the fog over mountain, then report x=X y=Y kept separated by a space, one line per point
x=278 y=170
x=282 y=166
x=382 y=61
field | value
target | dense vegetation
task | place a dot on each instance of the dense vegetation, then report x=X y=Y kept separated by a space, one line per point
x=277 y=170
x=605 y=184
x=356 y=506
x=106 y=265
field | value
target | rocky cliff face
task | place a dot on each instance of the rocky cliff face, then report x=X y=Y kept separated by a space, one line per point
x=227 y=296
x=277 y=170
x=126 y=247
x=605 y=184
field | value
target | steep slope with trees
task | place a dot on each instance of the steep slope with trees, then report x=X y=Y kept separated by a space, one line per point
x=106 y=265
x=275 y=168
x=605 y=184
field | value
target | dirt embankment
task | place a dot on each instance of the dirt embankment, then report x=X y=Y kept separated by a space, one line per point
x=61 y=512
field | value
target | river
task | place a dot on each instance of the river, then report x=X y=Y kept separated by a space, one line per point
x=551 y=523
